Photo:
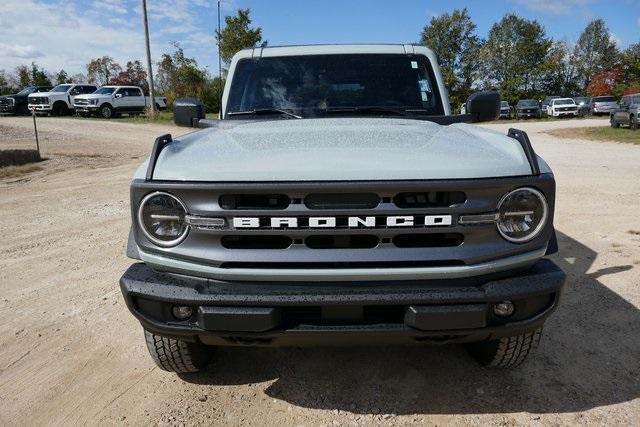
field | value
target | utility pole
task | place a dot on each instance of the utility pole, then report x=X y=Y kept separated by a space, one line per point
x=152 y=103
x=219 y=67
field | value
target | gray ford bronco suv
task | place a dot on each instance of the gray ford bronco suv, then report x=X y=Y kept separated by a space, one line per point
x=338 y=201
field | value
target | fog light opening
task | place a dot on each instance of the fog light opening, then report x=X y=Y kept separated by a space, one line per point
x=181 y=312
x=504 y=309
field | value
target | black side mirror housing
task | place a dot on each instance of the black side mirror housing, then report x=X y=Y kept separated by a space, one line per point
x=187 y=112
x=483 y=106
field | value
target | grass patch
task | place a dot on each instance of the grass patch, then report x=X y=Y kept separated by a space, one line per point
x=18 y=157
x=599 y=134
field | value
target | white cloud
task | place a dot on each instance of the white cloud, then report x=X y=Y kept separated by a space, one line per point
x=60 y=36
x=110 y=6
x=19 y=51
x=556 y=8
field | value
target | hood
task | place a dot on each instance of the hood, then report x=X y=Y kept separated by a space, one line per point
x=39 y=94
x=92 y=96
x=340 y=149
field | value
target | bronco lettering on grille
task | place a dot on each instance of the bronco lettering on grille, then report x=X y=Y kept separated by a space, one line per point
x=343 y=222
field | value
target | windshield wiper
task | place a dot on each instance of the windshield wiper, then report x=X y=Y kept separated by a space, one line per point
x=375 y=110
x=264 y=111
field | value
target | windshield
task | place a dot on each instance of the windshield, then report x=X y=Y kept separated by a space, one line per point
x=581 y=100
x=313 y=84
x=604 y=99
x=105 y=91
x=27 y=90
x=528 y=103
x=504 y=104
x=61 y=88
x=563 y=102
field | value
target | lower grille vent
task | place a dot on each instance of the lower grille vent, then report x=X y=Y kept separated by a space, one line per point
x=256 y=242
x=439 y=240
x=342 y=241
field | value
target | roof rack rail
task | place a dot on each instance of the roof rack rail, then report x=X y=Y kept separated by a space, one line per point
x=158 y=145
x=523 y=139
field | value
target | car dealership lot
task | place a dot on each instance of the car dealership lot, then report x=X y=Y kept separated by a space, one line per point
x=71 y=353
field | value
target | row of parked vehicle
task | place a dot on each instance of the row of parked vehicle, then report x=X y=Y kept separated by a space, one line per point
x=556 y=106
x=626 y=112
x=82 y=99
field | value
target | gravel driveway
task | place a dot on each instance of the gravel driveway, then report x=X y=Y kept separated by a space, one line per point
x=70 y=352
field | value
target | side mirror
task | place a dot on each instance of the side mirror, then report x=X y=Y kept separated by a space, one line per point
x=117 y=95
x=187 y=112
x=483 y=106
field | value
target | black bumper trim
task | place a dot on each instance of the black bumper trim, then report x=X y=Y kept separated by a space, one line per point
x=250 y=313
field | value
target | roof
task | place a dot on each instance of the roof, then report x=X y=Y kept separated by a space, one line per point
x=329 y=49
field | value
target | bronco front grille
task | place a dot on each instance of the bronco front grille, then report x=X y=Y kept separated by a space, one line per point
x=341 y=225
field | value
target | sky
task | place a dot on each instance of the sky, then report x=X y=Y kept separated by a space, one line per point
x=66 y=34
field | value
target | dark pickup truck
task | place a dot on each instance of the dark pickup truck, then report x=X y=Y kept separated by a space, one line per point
x=17 y=104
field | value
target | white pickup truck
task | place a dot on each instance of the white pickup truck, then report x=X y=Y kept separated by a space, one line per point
x=58 y=101
x=112 y=100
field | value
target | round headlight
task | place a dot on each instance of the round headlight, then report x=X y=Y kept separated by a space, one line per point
x=162 y=219
x=522 y=214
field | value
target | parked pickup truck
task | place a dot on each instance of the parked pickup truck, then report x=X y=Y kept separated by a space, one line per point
x=113 y=100
x=628 y=113
x=59 y=100
x=562 y=107
x=338 y=200
x=17 y=104
x=603 y=105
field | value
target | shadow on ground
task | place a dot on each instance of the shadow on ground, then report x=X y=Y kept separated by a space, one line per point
x=588 y=357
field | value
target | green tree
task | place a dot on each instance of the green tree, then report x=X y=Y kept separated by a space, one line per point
x=558 y=72
x=180 y=76
x=595 y=51
x=4 y=83
x=237 y=35
x=62 y=77
x=452 y=38
x=513 y=57
x=39 y=76
x=101 y=70
x=24 y=75
x=630 y=61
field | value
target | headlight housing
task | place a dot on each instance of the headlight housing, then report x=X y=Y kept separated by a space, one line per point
x=161 y=217
x=12 y=101
x=522 y=214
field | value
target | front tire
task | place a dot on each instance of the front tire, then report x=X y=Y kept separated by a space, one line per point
x=506 y=352
x=175 y=355
x=106 y=111
x=614 y=123
x=59 y=109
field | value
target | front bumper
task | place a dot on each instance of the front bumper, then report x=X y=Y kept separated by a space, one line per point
x=85 y=108
x=564 y=113
x=535 y=114
x=40 y=107
x=7 y=109
x=254 y=313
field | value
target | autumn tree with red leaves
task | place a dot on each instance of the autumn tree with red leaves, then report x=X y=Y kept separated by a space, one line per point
x=603 y=83
x=133 y=75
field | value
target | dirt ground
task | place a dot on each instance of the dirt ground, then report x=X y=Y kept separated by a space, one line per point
x=70 y=352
